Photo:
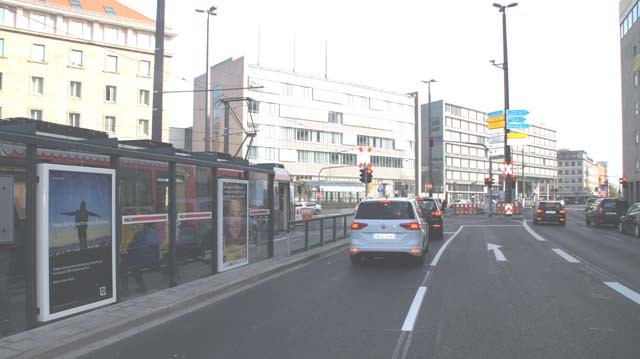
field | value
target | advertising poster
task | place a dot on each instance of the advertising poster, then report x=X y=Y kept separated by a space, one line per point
x=76 y=239
x=233 y=239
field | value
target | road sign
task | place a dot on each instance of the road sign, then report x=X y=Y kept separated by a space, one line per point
x=494 y=125
x=429 y=186
x=495 y=119
x=514 y=134
x=518 y=126
x=496 y=152
x=517 y=113
x=512 y=119
x=496 y=139
x=380 y=189
x=495 y=113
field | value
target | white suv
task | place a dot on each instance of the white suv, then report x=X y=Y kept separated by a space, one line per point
x=388 y=226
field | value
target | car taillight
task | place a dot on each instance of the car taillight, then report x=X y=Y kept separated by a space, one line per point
x=600 y=210
x=561 y=211
x=538 y=210
x=436 y=213
x=412 y=226
x=356 y=226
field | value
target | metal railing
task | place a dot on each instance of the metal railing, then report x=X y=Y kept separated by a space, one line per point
x=311 y=233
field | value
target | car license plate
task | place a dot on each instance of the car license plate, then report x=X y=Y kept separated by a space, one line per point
x=550 y=212
x=611 y=213
x=384 y=236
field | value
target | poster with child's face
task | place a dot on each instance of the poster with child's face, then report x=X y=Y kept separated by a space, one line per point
x=233 y=239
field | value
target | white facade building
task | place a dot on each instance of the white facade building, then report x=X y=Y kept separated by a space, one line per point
x=315 y=127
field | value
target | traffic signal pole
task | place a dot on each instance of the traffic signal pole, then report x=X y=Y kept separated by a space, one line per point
x=366 y=184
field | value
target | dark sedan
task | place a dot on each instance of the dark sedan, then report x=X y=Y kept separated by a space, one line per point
x=629 y=222
x=550 y=212
x=431 y=213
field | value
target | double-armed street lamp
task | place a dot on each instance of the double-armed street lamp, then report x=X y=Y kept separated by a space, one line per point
x=505 y=68
x=207 y=126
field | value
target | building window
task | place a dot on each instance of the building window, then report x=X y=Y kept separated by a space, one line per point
x=37 y=22
x=74 y=119
x=75 y=3
x=335 y=117
x=37 y=85
x=111 y=64
x=143 y=97
x=36 y=115
x=75 y=89
x=109 y=10
x=253 y=105
x=144 y=68
x=76 y=28
x=1 y=47
x=109 y=124
x=143 y=127
x=144 y=40
x=111 y=35
x=110 y=94
x=75 y=58
x=37 y=53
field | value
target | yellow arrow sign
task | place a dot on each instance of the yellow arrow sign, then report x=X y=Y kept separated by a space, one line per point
x=494 y=125
x=517 y=135
x=495 y=119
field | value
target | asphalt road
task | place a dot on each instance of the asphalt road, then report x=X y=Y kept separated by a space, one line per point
x=493 y=291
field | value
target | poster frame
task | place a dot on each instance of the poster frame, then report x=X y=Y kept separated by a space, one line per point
x=220 y=204
x=42 y=242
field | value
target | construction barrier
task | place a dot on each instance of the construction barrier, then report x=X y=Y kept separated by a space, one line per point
x=466 y=208
x=501 y=207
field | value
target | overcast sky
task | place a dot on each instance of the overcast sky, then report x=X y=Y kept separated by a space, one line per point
x=564 y=56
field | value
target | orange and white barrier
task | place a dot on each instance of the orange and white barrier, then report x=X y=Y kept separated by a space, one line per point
x=466 y=208
x=508 y=208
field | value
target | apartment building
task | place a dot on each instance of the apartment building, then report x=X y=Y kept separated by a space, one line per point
x=79 y=62
x=315 y=127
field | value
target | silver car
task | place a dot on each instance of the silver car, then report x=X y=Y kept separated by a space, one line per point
x=388 y=226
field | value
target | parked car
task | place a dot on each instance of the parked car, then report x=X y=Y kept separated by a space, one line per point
x=606 y=211
x=316 y=207
x=432 y=214
x=630 y=221
x=388 y=227
x=550 y=212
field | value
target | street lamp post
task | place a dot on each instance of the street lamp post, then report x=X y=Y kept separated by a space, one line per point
x=430 y=140
x=207 y=125
x=505 y=68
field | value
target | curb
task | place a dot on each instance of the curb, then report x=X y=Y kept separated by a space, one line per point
x=87 y=337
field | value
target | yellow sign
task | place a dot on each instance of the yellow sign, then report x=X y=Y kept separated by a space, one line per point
x=495 y=119
x=494 y=125
x=517 y=135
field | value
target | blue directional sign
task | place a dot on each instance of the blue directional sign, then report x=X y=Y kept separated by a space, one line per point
x=512 y=119
x=517 y=112
x=518 y=126
x=495 y=113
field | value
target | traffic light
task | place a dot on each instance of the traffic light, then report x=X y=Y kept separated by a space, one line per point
x=363 y=175
x=623 y=181
x=606 y=182
x=369 y=175
x=488 y=181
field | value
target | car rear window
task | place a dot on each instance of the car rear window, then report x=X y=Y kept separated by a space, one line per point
x=609 y=205
x=427 y=205
x=385 y=210
x=549 y=205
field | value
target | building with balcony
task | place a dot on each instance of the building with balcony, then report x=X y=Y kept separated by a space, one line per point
x=315 y=127
x=460 y=156
x=580 y=177
x=82 y=63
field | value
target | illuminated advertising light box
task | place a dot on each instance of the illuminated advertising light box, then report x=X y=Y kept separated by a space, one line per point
x=76 y=249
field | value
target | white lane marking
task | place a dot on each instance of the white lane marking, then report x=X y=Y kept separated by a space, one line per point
x=492 y=225
x=566 y=256
x=410 y=320
x=497 y=252
x=532 y=233
x=586 y=229
x=624 y=291
x=614 y=238
x=448 y=232
x=435 y=260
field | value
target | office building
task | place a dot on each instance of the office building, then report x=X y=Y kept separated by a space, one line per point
x=580 y=177
x=315 y=127
x=630 y=81
x=460 y=156
x=82 y=63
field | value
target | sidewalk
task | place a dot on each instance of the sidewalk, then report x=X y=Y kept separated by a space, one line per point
x=81 y=331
